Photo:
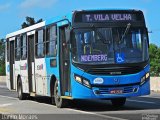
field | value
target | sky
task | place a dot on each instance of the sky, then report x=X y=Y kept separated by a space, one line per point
x=13 y=12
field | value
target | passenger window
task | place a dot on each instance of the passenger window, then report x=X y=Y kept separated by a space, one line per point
x=8 y=50
x=17 y=48
x=40 y=49
x=23 y=47
x=51 y=42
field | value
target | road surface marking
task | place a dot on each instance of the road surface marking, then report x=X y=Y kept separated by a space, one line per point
x=99 y=115
x=3 y=86
x=5 y=110
x=151 y=97
x=141 y=101
x=8 y=97
x=6 y=104
x=50 y=105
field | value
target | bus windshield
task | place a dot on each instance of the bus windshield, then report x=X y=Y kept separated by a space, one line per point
x=109 y=45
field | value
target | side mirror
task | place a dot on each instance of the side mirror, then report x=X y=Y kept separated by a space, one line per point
x=147 y=36
x=67 y=33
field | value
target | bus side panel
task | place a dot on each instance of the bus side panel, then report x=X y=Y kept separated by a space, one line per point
x=16 y=72
x=7 y=65
x=51 y=70
x=33 y=78
x=24 y=76
x=7 y=76
x=40 y=76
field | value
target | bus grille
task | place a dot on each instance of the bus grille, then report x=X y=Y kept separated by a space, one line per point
x=128 y=89
x=113 y=71
x=103 y=91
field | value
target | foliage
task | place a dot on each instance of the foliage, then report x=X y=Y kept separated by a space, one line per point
x=154 y=52
x=30 y=21
x=2 y=57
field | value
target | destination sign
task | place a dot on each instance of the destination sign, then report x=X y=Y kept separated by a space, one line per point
x=94 y=58
x=108 y=17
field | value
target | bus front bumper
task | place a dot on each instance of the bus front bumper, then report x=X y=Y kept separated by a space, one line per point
x=81 y=92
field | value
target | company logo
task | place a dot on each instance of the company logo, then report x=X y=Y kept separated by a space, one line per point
x=8 y=68
x=40 y=67
x=116 y=81
x=23 y=67
x=98 y=81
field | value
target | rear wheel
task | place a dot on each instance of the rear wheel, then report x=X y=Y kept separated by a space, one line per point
x=21 y=95
x=118 y=102
x=52 y=96
x=60 y=103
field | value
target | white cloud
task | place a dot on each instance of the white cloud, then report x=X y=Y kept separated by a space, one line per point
x=4 y=7
x=37 y=3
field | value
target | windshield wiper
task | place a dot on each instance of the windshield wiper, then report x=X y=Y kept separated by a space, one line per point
x=126 y=31
x=102 y=38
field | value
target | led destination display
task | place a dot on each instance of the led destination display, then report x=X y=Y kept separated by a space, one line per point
x=108 y=17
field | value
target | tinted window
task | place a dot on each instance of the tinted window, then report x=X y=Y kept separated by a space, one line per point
x=51 y=41
x=24 y=47
x=17 y=48
x=40 y=49
x=7 y=50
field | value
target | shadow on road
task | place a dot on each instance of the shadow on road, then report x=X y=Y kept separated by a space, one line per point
x=136 y=103
x=105 y=105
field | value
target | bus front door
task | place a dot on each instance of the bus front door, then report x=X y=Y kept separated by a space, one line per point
x=30 y=59
x=64 y=63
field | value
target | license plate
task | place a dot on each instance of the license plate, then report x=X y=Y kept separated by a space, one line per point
x=116 y=91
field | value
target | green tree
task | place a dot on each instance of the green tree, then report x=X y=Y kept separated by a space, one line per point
x=154 y=53
x=30 y=21
x=2 y=57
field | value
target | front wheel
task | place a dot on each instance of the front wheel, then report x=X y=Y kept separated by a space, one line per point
x=60 y=103
x=118 y=102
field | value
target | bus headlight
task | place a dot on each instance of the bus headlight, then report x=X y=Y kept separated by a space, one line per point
x=78 y=79
x=82 y=81
x=86 y=83
x=147 y=75
x=144 y=78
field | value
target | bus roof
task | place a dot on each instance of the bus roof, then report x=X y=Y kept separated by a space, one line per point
x=57 y=19
x=39 y=25
x=33 y=27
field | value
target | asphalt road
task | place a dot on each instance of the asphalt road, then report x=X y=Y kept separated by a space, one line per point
x=137 y=108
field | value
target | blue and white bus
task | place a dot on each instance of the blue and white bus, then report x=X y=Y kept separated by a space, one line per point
x=88 y=54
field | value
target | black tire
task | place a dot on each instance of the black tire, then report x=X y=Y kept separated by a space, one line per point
x=118 y=102
x=52 y=96
x=21 y=95
x=60 y=103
